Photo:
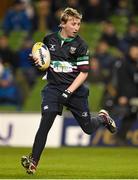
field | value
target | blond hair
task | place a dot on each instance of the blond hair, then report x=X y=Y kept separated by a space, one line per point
x=70 y=12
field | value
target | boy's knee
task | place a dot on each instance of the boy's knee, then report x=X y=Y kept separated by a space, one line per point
x=88 y=130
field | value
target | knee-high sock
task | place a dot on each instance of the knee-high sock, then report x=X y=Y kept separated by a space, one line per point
x=41 y=135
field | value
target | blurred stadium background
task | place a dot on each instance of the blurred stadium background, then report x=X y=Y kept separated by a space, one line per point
x=110 y=27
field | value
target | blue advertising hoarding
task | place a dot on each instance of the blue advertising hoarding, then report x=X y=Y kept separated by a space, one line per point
x=72 y=135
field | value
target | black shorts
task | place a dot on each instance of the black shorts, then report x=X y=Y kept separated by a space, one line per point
x=77 y=104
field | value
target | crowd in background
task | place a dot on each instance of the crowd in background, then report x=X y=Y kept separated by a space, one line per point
x=119 y=73
x=38 y=15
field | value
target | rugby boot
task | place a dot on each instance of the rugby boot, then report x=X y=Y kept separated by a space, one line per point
x=29 y=165
x=109 y=123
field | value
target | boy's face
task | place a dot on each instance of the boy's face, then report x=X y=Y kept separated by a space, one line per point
x=71 y=27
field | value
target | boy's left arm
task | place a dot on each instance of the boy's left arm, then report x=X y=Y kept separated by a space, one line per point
x=79 y=80
x=83 y=67
x=75 y=84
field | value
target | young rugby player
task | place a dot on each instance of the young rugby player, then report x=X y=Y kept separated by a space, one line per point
x=67 y=72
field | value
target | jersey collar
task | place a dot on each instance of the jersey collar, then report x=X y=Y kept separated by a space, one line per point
x=64 y=39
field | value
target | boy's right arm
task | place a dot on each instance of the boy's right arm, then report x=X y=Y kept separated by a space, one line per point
x=34 y=59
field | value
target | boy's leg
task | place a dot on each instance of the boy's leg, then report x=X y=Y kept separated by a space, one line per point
x=41 y=135
x=50 y=108
x=30 y=162
x=79 y=108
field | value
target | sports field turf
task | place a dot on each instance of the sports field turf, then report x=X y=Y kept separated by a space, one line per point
x=73 y=163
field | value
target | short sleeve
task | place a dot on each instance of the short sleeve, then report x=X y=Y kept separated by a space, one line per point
x=83 y=58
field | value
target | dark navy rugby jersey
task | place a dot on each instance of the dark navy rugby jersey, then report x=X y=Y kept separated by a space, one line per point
x=69 y=57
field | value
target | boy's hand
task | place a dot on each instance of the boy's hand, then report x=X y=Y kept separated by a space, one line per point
x=65 y=96
x=34 y=59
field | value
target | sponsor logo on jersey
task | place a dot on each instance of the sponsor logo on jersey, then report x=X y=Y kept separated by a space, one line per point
x=84 y=114
x=62 y=66
x=45 y=107
x=72 y=50
x=52 y=47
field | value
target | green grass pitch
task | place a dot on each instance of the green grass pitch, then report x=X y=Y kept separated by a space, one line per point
x=73 y=163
